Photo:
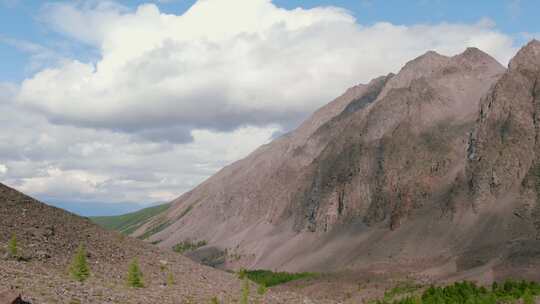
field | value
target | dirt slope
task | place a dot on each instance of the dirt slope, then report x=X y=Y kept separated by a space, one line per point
x=48 y=237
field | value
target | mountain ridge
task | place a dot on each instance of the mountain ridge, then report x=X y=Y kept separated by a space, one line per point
x=360 y=185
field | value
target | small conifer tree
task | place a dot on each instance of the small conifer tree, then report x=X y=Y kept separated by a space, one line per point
x=170 y=279
x=135 y=275
x=261 y=290
x=528 y=298
x=79 y=270
x=245 y=292
x=13 y=247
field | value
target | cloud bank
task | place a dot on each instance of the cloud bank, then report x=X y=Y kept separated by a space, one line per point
x=224 y=64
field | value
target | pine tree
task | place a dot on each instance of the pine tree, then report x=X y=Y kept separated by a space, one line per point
x=528 y=297
x=135 y=275
x=170 y=279
x=80 y=271
x=261 y=291
x=13 y=247
x=245 y=292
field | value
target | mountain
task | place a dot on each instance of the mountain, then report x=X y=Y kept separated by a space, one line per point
x=129 y=222
x=48 y=237
x=433 y=169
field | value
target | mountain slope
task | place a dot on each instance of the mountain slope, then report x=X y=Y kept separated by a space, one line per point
x=391 y=173
x=129 y=222
x=48 y=237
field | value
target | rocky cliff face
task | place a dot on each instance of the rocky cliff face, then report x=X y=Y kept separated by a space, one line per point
x=405 y=169
x=402 y=151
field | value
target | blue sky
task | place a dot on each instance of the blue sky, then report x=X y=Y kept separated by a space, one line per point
x=20 y=20
x=135 y=102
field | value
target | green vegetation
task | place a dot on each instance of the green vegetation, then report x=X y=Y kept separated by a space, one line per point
x=170 y=279
x=214 y=300
x=401 y=289
x=468 y=292
x=244 y=299
x=269 y=278
x=79 y=269
x=185 y=212
x=13 y=248
x=261 y=290
x=134 y=278
x=188 y=245
x=155 y=229
x=128 y=223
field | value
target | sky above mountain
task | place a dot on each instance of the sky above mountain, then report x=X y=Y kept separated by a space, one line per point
x=139 y=101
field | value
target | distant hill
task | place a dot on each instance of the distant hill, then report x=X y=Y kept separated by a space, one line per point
x=128 y=223
x=93 y=209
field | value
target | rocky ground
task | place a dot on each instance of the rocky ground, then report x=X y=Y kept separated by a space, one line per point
x=48 y=238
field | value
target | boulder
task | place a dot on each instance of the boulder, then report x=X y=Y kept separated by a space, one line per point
x=11 y=297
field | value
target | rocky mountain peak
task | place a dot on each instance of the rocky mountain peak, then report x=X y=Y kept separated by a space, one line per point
x=475 y=57
x=527 y=59
x=426 y=62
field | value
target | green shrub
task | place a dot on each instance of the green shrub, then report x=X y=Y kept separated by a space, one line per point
x=401 y=289
x=468 y=292
x=135 y=276
x=242 y=273
x=13 y=248
x=214 y=300
x=79 y=269
x=188 y=245
x=261 y=290
x=170 y=279
x=269 y=278
x=528 y=297
x=245 y=292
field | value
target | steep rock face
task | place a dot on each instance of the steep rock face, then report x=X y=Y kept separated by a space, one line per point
x=504 y=146
x=401 y=152
x=435 y=165
x=496 y=196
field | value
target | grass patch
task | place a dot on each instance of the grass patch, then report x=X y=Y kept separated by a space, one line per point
x=163 y=223
x=468 y=292
x=185 y=212
x=188 y=245
x=401 y=289
x=155 y=229
x=269 y=278
x=128 y=223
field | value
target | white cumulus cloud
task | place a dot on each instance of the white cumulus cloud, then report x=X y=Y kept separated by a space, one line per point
x=225 y=64
x=3 y=169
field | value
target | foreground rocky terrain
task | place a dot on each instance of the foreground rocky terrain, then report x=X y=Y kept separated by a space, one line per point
x=48 y=238
x=434 y=169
